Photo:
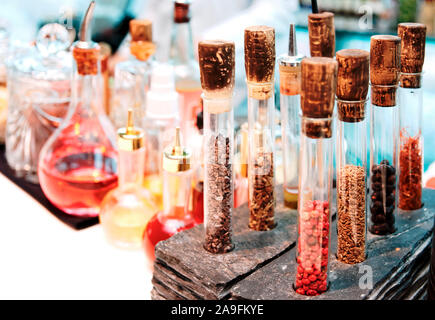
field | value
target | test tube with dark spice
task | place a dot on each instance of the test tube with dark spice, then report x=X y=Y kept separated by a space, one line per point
x=352 y=88
x=384 y=132
x=319 y=78
x=259 y=67
x=410 y=184
x=216 y=62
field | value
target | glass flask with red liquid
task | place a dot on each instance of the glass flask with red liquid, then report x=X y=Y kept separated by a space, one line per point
x=77 y=165
x=177 y=186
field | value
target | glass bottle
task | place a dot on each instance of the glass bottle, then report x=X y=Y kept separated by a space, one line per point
x=315 y=175
x=77 y=165
x=177 y=186
x=132 y=77
x=160 y=117
x=290 y=98
x=259 y=66
x=352 y=88
x=198 y=177
x=39 y=91
x=217 y=81
x=410 y=184
x=187 y=81
x=4 y=52
x=126 y=210
x=241 y=183
x=384 y=132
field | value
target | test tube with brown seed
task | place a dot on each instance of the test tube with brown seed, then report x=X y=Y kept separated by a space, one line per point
x=259 y=67
x=352 y=88
x=216 y=63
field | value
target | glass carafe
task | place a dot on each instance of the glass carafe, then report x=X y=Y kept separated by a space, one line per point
x=39 y=86
x=77 y=165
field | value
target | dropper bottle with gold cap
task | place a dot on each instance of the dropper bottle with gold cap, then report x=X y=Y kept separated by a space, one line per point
x=126 y=210
x=177 y=186
x=132 y=77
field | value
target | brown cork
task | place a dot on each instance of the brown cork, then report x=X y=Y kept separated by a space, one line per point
x=412 y=52
x=216 y=64
x=319 y=80
x=141 y=30
x=352 y=84
x=87 y=60
x=260 y=54
x=384 y=69
x=321 y=32
x=181 y=11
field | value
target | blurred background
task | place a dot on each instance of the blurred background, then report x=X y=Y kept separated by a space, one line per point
x=355 y=21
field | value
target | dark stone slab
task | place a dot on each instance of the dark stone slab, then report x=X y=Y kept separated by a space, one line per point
x=391 y=259
x=184 y=253
x=262 y=265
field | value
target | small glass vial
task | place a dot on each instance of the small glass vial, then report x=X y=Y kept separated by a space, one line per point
x=39 y=92
x=315 y=175
x=384 y=132
x=217 y=80
x=181 y=56
x=126 y=210
x=132 y=77
x=160 y=119
x=259 y=66
x=352 y=88
x=410 y=183
x=290 y=98
x=77 y=164
x=177 y=188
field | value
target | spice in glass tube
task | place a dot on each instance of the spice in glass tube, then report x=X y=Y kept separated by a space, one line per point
x=262 y=199
x=410 y=179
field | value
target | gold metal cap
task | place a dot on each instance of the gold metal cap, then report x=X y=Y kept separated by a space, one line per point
x=130 y=138
x=176 y=158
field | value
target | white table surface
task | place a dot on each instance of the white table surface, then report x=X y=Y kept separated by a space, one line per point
x=42 y=258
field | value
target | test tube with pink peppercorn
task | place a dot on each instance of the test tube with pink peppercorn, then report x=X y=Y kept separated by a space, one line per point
x=319 y=77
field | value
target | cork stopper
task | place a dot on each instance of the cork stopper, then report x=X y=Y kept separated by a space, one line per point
x=87 y=59
x=321 y=31
x=181 y=11
x=352 y=84
x=413 y=44
x=216 y=64
x=384 y=69
x=319 y=79
x=260 y=61
x=141 y=30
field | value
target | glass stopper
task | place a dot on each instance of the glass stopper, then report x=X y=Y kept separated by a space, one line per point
x=52 y=38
